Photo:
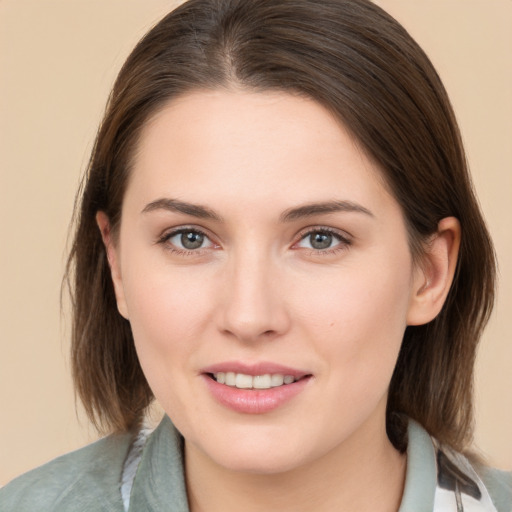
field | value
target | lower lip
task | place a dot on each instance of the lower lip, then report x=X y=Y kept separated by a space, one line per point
x=254 y=401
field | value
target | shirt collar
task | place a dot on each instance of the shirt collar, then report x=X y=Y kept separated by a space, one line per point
x=420 y=476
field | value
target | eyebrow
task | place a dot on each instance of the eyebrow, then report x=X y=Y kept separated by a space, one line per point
x=292 y=214
x=309 y=210
x=173 y=205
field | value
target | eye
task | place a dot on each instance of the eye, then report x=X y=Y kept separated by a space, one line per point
x=187 y=239
x=319 y=240
x=322 y=240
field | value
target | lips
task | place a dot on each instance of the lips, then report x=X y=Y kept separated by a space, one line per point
x=256 y=388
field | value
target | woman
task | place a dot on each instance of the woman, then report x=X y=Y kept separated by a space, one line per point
x=277 y=239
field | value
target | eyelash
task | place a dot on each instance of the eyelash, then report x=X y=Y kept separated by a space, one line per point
x=344 y=241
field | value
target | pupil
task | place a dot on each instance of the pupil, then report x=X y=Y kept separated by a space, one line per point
x=192 y=240
x=321 y=240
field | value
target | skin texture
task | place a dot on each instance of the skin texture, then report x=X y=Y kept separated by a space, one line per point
x=258 y=290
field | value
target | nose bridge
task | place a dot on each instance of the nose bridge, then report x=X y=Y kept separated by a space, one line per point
x=254 y=304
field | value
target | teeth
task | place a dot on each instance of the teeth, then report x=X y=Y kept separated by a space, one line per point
x=230 y=379
x=262 y=381
x=243 y=381
x=277 y=380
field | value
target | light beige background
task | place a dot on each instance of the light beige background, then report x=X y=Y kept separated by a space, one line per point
x=58 y=59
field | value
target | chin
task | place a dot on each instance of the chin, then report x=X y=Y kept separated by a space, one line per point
x=259 y=463
x=259 y=451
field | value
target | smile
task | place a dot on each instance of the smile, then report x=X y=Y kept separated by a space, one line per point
x=254 y=388
x=244 y=381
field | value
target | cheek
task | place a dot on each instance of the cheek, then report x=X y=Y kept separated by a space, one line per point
x=358 y=318
x=168 y=311
x=168 y=316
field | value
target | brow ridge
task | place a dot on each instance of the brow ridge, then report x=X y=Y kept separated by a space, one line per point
x=289 y=215
x=335 y=206
x=174 y=205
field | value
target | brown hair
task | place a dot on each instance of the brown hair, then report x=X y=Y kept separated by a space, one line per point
x=357 y=61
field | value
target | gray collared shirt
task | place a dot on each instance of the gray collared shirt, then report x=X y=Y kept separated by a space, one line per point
x=90 y=479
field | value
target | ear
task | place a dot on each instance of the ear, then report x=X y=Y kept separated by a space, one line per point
x=113 y=260
x=433 y=277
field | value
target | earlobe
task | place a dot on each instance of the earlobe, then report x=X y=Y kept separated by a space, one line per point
x=113 y=259
x=433 y=279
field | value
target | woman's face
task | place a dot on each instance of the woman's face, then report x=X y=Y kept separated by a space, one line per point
x=259 y=246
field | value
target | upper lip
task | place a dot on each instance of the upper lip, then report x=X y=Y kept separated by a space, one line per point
x=257 y=368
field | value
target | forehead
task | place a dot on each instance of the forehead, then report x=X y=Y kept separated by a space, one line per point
x=249 y=145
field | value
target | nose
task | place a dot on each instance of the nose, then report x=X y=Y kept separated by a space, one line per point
x=254 y=305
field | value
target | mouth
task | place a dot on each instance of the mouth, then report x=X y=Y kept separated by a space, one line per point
x=254 y=388
x=245 y=381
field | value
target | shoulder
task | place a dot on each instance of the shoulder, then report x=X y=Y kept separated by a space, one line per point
x=87 y=479
x=499 y=485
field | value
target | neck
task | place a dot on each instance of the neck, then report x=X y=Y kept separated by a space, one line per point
x=363 y=473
